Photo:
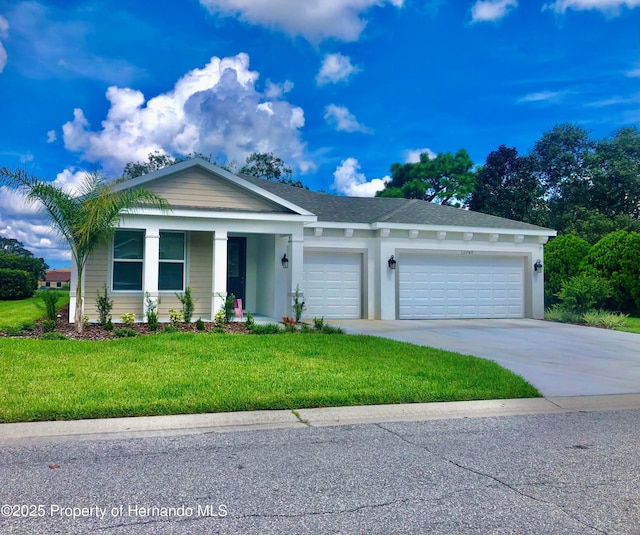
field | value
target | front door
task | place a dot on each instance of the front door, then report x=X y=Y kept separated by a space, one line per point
x=236 y=266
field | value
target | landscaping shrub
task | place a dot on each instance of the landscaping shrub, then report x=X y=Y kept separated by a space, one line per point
x=104 y=306
x=152 y=312
x=250 y=322
x=128 y=319
x=187 y=304
x=318 y=323
x=49 y=325
x=168 y=329
x=561 y=314
x=584 y=292
x=220 y=319
x=53 y=336
x=298 y=304
x=616 y=257
x=125 y=333
x=28 y=325
x=267 y=328
x=50 y=299
x=15 y=284
x=200 y=326
x=330 y=329
x=175 y=317
x=563 y=258
x=13 y=330
x=604 y=318
x=289 y=324
x=228 y=308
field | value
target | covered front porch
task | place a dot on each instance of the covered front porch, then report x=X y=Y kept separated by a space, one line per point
x=154 y=264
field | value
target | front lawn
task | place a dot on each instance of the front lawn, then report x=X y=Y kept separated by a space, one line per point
x=15 y=313
x=195 y=373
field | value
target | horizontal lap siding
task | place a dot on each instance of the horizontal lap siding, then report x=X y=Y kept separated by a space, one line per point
x=203 y=190
x=124 y=304
x=201 y=272
x=96 y=275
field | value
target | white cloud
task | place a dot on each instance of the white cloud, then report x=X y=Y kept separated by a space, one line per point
x=608 y=7
x=30 y=225
x=491 y=10
x=348 y=180
x=4 y=32
x=212 y=110
x=273 y=90
x=335 y=68
x=634 y=73
x=51 y=136
x=343 y=119
x=413 y=155
x=543 y=96
x=316 y=20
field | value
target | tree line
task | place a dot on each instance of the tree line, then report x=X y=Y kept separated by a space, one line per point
x=568 y=181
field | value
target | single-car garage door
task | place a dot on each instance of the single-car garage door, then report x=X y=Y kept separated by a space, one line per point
x=332 y=285
x=465 y=286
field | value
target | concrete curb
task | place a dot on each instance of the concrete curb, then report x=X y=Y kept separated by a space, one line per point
x=118 y=428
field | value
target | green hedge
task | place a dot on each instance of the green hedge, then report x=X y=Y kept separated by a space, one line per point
x=35 y=267
x=15 y=284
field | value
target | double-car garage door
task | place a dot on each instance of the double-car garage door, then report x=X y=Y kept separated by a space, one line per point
x=463 y=286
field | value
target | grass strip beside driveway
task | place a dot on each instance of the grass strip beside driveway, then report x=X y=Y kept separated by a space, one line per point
x=197 y=373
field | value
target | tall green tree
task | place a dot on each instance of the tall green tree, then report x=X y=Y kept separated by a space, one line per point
x=506 y=186
x=269 y=167
x=85 y=220
x=445 y=179
x=13 y=246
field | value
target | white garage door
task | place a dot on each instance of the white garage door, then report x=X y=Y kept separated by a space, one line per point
x=332 y=286
x=433 y=287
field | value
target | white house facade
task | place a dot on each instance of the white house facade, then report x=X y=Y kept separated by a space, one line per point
x=370 y=258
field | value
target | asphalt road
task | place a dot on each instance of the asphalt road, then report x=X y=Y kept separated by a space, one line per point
x=563 y=473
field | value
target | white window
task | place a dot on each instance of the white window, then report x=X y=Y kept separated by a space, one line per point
x=128 y=255
x=171 y=268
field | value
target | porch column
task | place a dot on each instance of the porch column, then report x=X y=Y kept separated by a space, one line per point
x=151 y=266
x=296 y=258
x=72 y=292
x=219 y=275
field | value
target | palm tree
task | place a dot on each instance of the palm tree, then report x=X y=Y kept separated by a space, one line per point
x=84 y=220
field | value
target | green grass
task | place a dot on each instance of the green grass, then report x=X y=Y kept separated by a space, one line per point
x=194 y=373
x=14 y=313
x=632 y=325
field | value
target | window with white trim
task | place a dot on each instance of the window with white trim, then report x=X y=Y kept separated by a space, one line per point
x=128 y=255
x=172 y=255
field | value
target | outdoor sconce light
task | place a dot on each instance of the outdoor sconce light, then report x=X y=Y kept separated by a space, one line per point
x=285 y=261
x=537 y=266
x=392 y=262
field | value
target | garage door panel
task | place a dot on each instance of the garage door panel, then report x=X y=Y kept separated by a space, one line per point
x=479 y=287
x=332 y=285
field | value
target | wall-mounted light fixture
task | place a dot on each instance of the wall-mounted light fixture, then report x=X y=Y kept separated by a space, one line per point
x=285 y=261
x=537 y=266
x=392 y=262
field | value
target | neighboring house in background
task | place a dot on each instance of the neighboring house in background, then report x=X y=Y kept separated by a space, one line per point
x=56 y=278
x=260 y=240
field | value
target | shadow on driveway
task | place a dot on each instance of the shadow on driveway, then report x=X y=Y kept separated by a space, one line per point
x=558 y=359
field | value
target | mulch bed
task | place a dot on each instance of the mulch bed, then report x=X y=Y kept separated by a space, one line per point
x=96 y=332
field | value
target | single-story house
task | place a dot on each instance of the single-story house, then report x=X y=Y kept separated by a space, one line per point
x=55 y=278
x=350 y=257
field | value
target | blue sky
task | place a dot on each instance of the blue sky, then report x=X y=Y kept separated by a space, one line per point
x=340 y=89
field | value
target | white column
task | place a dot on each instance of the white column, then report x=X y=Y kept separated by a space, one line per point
x=72 y=292
x=296 y=257
x=151 y=267
x=387 y=280
x=219 y=275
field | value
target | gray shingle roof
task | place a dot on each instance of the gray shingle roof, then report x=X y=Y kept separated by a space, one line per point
x=334 y=208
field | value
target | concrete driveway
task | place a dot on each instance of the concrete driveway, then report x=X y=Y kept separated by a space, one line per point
x=558 y=359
